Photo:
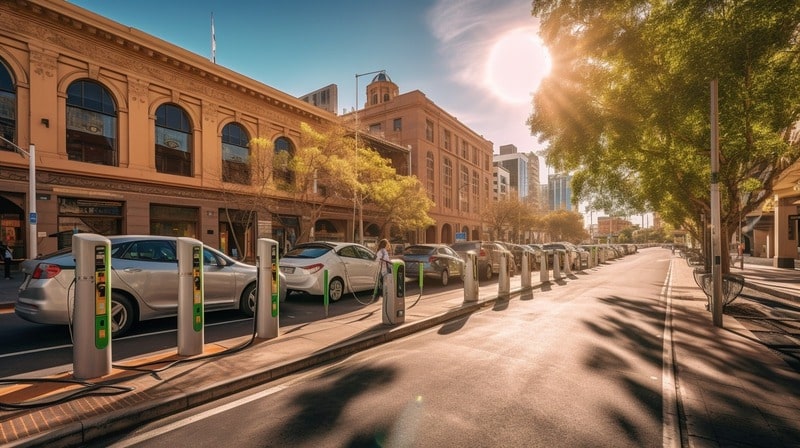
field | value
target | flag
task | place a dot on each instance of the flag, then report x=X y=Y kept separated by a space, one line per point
x=213 y=41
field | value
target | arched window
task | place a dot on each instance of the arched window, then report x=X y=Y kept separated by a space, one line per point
x=447 y=177
x=173 y=141
x=430 y=171
x=8 y=107
x=235 y=154
x=91 y=124
x=284 y=151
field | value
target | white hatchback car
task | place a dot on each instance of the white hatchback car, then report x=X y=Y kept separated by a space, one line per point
x=351 y=268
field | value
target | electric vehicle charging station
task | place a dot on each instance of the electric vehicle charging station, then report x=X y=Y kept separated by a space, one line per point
x=268 y=289
x=92 y=322
x=567 y=264
x=556 y=264
x=525 y=275
x=394 y=294
x=544 y=273
x=191 y=331
x=471 y=277
x=504 y=280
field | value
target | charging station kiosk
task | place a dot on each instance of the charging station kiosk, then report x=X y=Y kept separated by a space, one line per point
x=504 y=280
x=525 y=275
x=268 y=290
x=394 y=294
x=471 y=277
x=544 y=273
x=556 y=265
x=190 y=297
x=92 y=320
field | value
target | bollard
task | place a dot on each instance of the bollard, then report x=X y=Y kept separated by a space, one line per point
x=556 y=265
x=525 y=276
x=504 y=280
x=567 y=263
x=471 y=277
x=544 y=272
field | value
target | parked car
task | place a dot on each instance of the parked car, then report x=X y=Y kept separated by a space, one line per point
x=568 y=248
x=488 y=256
x=437 y=261
x=518 y=250
x=144 y=281
x=351 y=268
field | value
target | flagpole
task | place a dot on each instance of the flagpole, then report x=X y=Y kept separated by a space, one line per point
x=213 y=41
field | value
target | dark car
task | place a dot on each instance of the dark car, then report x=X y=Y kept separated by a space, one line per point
x=437 y=260
x=488 y=256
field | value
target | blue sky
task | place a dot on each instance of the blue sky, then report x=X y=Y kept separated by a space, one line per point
x=478 y=59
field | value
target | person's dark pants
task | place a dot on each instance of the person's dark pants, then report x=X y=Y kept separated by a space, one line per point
x=7 y=267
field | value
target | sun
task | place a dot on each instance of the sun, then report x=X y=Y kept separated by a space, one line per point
x=517 y=63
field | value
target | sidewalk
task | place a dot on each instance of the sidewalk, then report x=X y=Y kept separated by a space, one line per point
x=732 y=391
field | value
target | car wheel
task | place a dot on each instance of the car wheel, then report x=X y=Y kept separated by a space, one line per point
x=335 y=289
x=488 y=274
x=445 y=277
x=248 y=302
x=122 y=315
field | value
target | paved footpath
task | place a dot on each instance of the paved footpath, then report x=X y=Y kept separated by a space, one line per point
x=723 y=388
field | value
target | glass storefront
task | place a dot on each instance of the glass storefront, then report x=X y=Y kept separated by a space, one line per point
x=168 y=220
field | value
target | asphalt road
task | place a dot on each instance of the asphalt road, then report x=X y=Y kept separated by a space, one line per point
x=576 y=365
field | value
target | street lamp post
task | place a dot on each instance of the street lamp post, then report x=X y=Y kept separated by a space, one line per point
x=32 y=218
x=357 y=199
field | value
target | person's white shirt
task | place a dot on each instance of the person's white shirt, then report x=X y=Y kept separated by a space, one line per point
x=385 y=260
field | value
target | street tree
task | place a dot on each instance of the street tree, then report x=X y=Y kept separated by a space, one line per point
x=626 y=105
x=248 y=192
x=564 y=225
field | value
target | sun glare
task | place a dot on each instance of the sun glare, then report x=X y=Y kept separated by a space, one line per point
x=517 y=63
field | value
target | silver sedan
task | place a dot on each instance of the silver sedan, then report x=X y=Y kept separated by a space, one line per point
x=144 y=281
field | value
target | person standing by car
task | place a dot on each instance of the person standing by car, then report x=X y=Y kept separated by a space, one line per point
x=384 y=265
x=7 y=258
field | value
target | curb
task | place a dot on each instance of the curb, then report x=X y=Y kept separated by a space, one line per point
x=89 y=428
x=773 y=292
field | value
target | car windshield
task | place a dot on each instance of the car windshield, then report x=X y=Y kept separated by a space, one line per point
x=310 y=251
x=418 y=250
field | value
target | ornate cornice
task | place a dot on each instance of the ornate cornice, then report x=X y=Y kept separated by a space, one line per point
x=117 y=47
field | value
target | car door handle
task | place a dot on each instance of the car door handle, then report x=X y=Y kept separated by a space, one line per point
x=132 y=270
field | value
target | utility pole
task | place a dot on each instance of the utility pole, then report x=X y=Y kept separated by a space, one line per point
x=32 y=216
x=716 y=238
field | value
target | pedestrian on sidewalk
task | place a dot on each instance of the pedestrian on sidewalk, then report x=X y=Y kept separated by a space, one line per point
x=384 y=266
x=7 y=258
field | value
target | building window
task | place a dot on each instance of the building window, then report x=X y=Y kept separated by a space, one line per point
x=77 y=215
x=464 y=150
x=447 y=140
x=476 y=191
x=235 y=154
x=475 y=155
x=447 y=176
x=173 y=141
x=463 y=190
x=91 y=124
x=429 y=130
x=431 y=171
x=8 y=108
x=397 y=124
x=281 y=170
x=168 y=220
x=375 y=128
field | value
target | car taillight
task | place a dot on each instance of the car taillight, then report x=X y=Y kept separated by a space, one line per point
x=313 y=268
x=44 y=271
x=483 y=252
x=433 y=259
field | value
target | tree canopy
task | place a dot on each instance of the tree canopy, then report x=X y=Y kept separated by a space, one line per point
x=626 y=107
